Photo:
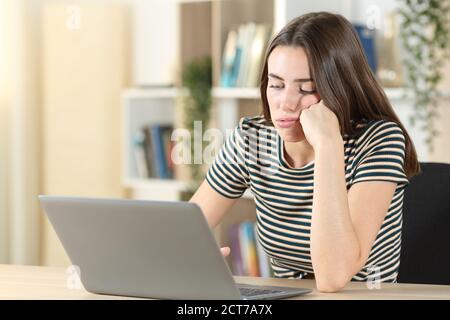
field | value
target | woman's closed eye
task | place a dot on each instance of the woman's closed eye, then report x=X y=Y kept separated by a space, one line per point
x=275 y=86
x=301 y=90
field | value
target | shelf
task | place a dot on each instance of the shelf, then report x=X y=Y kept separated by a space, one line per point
x=154 y=93
x=154 y=183
x=243 y=93
x=162 y=184
x=236 y=93
x=403 y=93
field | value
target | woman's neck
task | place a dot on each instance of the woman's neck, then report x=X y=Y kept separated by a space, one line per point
x=299 y=153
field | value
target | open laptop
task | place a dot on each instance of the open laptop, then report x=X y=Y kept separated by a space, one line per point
x=150 y=249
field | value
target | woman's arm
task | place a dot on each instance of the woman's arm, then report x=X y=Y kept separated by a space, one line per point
x=213 y=204
x=344 y=225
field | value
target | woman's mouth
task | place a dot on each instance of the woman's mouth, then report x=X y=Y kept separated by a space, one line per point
x=286 y=122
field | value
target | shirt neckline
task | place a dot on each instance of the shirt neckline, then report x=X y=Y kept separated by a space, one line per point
x=283 y=161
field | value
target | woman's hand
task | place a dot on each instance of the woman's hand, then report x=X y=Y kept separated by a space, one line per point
x=225 y=251
x=320 y=125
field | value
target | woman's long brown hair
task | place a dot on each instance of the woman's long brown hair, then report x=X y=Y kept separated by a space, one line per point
x=342 y=75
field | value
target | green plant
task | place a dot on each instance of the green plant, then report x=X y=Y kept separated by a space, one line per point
x=197 y=79
x=425 y=30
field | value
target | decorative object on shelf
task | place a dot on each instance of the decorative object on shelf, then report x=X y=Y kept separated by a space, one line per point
x=197 y=79
x=425 y=29
x=389 y=68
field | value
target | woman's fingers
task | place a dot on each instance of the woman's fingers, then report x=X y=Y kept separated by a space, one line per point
x=225 y=251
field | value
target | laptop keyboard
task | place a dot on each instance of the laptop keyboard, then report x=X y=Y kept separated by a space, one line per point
x=250 y=292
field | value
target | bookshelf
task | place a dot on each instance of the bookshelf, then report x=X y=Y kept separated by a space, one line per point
x=141 y=107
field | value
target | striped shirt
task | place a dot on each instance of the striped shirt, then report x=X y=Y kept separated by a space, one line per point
x=252 y=157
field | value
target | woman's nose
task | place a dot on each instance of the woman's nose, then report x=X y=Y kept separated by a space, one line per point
x=289 y=102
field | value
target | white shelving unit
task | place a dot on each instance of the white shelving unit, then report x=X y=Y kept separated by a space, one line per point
x=141 y=107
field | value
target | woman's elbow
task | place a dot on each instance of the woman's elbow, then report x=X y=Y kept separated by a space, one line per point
x=331 y=285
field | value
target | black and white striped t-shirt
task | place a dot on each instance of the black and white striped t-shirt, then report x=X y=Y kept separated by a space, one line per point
x=252 y=158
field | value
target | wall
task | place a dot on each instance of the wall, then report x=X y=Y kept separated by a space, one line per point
x=85 y=68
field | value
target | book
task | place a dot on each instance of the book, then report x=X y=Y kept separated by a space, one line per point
x=246 y=37
x=149 y=152
x=258 y=47
x=248 y=257
x=248 y=249
x=367 y=38
x=139 y=150
x=159 y=151
x=236 y=258
x=229 y=54
x=237 y=57
x=168 y=146
x=243 y=53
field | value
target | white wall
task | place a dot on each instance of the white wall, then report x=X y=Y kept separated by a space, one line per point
x=20 y=158
x=155 y=42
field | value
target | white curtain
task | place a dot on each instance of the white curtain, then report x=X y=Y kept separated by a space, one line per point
x=20 y=216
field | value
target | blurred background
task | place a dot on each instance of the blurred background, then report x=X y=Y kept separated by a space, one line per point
x=91 y=92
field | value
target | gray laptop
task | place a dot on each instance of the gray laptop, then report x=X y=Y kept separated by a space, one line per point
x=150 y=249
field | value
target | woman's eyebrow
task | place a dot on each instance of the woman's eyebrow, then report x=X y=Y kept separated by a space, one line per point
x=273 y=75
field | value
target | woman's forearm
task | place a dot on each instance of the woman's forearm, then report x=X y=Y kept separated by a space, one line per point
x=335 y=249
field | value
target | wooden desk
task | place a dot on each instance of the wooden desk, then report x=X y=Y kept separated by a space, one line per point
x=31 y=282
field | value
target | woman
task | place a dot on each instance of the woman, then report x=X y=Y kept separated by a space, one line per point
x=327 y=162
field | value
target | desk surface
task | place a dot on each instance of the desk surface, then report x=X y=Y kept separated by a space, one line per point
x=32 y=282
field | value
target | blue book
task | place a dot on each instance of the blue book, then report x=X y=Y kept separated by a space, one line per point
x=367 y=38
x=235 y=68
x=228 y=59
x=159 y=153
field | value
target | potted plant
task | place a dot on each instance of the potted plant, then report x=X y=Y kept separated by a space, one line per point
x=425 y=33
x=197 y=79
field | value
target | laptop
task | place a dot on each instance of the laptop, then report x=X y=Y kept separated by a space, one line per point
x=152 y=249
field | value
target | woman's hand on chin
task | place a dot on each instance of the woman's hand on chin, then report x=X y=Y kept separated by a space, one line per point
x=320 y=125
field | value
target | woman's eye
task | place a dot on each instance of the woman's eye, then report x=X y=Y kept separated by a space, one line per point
x=303 y=91
x=307 y=88
x=275 y=87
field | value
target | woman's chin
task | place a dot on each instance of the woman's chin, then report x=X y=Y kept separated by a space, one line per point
x=291 y=135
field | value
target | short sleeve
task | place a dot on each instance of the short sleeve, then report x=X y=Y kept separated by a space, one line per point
x=381 y=156
x=228 y=174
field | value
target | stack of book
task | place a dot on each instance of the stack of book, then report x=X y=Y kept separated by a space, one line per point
x=247 y=255
x=153 y=147
x=243 y=55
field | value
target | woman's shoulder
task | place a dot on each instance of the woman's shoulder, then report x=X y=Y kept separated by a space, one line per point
x=370 y=130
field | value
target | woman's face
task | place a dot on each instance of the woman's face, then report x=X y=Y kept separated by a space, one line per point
x=290 y=89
